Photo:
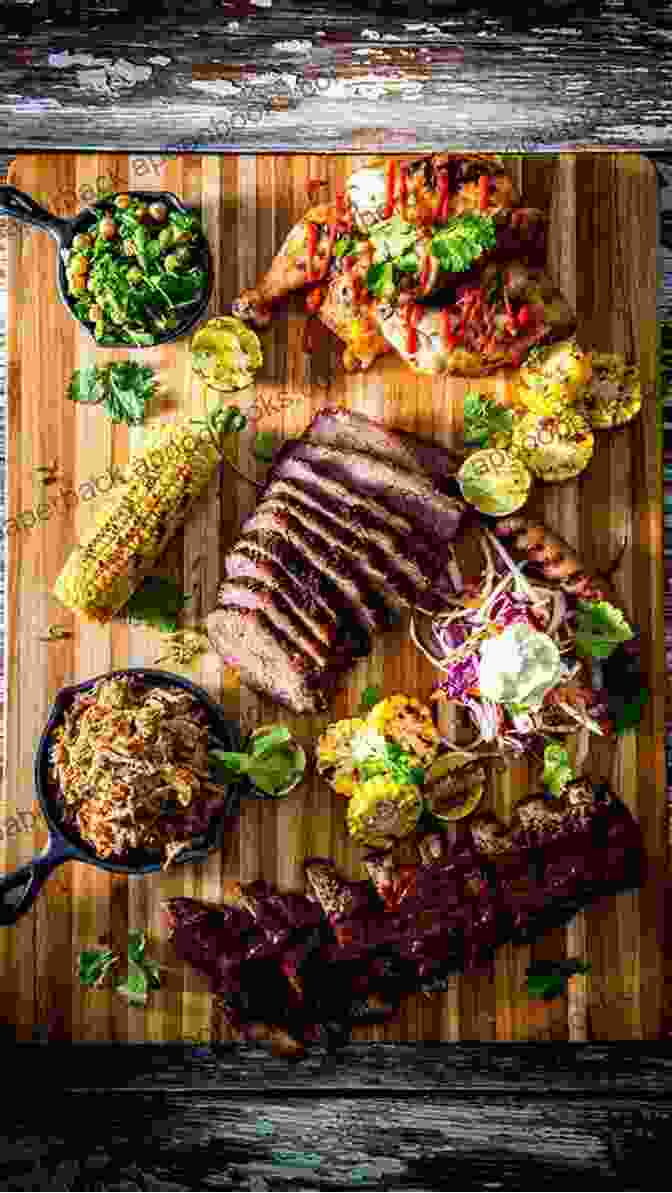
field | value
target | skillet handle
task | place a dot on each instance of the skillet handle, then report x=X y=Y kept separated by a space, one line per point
x=31 y=876
x=22 y=207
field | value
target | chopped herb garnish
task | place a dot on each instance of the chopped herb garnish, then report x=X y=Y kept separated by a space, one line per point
x=548 y=979
x=264 y=445
x=370 y=697
x=158 y=602
x=463 y=240
x=124 y=387
x=557 y=768
x=600 y=628
x=484 y=418
x=94 y=966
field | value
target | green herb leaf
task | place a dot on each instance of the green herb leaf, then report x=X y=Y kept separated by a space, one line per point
x=557 y=768
x=402 y=765
x=392 y=238
x=136 y=985
x=483 y=418
x=344 y=246
x=370 y=697
x=272 y=772
x=601 y=627
x=94 y=965
x=380 y=280
x=158 y=602
x=264 y=445
x=548 y=979
x=270 y=741
x=229 y=760
x=463 y=240
x=136 y=947
x=631 y=711
x=88 y=385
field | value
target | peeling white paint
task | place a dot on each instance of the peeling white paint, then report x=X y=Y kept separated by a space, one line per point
x=216 y=86
x=293 y=47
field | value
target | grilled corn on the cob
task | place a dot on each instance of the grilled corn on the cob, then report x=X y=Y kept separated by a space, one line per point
x=161 y=482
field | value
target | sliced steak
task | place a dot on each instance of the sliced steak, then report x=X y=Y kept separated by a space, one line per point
x=246 y=561
x=292 y=468
x=411 y=494
x=268 y=662
x=369 y=608
x=394 y=553
x=333 y=426
x=254 y=594
x=320 y=597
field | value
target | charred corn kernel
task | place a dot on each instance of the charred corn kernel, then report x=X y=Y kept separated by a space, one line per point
x=404 y=719
x=128 y=535
x=380 y=808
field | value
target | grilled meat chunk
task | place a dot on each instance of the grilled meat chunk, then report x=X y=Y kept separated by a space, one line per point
x=368 y=607
x=268 y=661
x=254 y=594
x=396 y=588
x=411 y=494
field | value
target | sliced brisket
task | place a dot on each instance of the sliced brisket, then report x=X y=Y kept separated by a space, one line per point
x=380 y=570
x=254 y=594
x=267 y=660
x=333 y=426
x=369 y=608
x=410 y=494
x=400 y=552
x=320 y=598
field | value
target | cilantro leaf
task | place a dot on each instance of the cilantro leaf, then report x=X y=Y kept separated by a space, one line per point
x=402 y=765
x=136 y=947
x=277 y=736
x=483 y=418
x=392 y=238
x=601 y=627
x=87 y=385
x=136 y=985
x=264 y=445
x=344 y=246
x=370 y=697
x=158 y=602
x=94 y=965
x=124 y=386
x=557 y=768
x=380 y=280
x=548 y=979
x=463 y=240
x=630 y=713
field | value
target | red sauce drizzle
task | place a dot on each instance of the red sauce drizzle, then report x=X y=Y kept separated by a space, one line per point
x=403 y=188
x=441 y=209
x=311 y=247
x=391 y=180
x=412 y=313
x=484 y=192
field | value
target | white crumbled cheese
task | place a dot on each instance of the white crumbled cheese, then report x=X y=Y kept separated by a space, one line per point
x=519 y=666
x=215 y=86
x=365 y=743
x=67 y=59
x=159 y=60
x=371 y=34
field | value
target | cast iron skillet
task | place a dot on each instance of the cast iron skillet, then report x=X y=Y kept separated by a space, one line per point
x=65 y=845
x=22 y=207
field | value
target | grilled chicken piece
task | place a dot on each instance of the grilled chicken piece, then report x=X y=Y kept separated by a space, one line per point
x=290 y=269
x=485 y=329
x=347 y=310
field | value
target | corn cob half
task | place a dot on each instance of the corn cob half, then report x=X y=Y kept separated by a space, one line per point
x=161 y=483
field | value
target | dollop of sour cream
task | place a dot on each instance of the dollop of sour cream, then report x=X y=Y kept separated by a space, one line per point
x=519 y=667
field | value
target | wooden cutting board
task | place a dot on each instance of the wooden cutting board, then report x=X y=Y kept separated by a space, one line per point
x=602 y=253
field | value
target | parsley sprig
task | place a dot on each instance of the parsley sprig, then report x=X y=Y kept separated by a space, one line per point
x=123 y=387
x=158 y=603
x=548 y=979
x=94 y=965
